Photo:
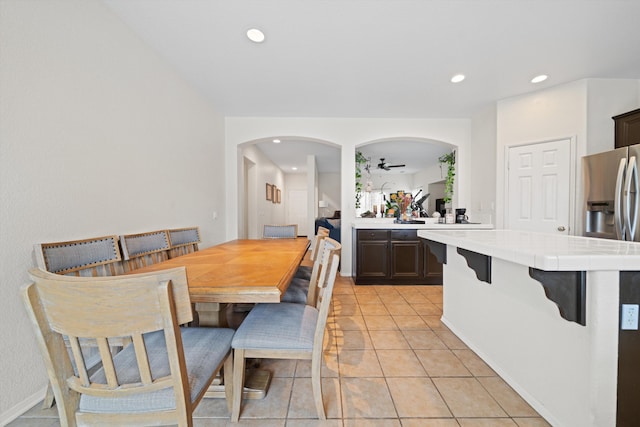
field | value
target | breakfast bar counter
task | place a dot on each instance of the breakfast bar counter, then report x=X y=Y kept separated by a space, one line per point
x=544 y=311
x=429 y=224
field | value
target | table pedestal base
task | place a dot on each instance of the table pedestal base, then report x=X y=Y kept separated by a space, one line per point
x=256 y=384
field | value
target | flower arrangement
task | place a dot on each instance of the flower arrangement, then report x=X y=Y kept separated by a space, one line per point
x=404 y=202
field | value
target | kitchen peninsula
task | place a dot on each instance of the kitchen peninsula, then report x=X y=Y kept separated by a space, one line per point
x=544 y=312
x=385 y=252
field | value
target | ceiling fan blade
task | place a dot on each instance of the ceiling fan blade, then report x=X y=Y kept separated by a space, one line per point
x=383 y=165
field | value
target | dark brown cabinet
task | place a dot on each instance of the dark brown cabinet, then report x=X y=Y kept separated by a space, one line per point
x=394 y=257
x=372 y=254
x=627 y=128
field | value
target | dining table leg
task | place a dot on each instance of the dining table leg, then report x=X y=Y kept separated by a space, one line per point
x=212 y=314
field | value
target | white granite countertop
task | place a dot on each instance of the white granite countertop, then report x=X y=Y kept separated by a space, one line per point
x=543 y=251
x=430 y=224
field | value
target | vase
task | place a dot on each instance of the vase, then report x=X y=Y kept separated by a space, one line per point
x=448 y=216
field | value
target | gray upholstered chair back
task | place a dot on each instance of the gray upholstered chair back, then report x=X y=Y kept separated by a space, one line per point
x=183 y=241
x=142 y=249
x=99 y=256
x=288 y=231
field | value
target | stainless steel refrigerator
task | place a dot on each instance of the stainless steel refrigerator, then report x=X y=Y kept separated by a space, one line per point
x=611 y=202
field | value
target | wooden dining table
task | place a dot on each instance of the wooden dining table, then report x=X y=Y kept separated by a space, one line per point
x=238 y=271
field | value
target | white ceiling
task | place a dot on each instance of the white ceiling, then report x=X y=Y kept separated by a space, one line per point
x=384 y=58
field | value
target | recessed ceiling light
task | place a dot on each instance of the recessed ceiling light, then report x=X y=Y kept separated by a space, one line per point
x=255 y=35
x=457 y=78
x=276 y=141
x=540 y=78
x=294 y=168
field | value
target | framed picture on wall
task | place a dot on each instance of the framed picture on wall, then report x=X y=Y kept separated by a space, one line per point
x=278 y=196
x=274 y=194
x=269 y=192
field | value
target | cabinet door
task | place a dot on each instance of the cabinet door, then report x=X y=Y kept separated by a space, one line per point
x=372 y=259
x=627 y=129
x=432 y=268
x=406 y=259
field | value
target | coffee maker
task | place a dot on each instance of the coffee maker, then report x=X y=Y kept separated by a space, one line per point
x=461 y=218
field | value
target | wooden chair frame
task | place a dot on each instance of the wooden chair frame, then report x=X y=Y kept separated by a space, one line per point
x=93 y=257
x=146 y=303
x=329 y=260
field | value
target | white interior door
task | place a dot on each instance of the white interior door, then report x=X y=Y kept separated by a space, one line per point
x=538 y=187
x=297 y=210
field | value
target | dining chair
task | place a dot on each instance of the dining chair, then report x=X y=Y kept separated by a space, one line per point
x=301 y=289
x=142 y=249
x=304 y=271
x=288 y=331
x=159 y=379
x=183 y=241
x=98 y=256
x=287 y=231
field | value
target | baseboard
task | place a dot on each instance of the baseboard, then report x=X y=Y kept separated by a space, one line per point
x=22 y=407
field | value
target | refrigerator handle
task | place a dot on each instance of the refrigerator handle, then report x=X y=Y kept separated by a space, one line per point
x=617 y=203
x=631 y=218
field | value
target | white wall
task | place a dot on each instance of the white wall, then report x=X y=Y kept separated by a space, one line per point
x=581 y=110
x=329 y=186
x=346 y=133
x=266 y=173
x=99 y=136
x=483 y=167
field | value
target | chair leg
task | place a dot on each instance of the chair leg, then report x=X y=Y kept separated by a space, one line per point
x=49 y=398
x=316 y=383
x=238 y=383
x=227 y=372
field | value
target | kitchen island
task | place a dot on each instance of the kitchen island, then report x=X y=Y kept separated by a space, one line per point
x=544 y=311
x=389 y=253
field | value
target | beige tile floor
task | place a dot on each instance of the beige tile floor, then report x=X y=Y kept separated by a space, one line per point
x=388 y=362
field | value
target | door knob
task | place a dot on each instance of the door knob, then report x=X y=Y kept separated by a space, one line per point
x=561 y=228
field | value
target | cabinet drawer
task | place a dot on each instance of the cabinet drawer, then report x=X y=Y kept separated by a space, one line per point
x=404 y=234
x=373 y=234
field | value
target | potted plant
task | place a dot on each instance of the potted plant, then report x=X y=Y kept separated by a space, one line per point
x=450 y=161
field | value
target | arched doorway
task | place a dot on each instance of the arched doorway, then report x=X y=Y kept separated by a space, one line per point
x=303 y=170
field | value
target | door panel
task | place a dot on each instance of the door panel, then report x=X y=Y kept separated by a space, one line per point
x=538 y=187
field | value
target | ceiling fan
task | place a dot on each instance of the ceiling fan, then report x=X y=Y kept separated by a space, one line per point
x=386 y=166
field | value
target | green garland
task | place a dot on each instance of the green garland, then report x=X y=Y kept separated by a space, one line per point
x=450 y=160
x=360 y=160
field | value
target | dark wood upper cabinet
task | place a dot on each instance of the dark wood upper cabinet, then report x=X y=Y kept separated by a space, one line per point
x=627 y=128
